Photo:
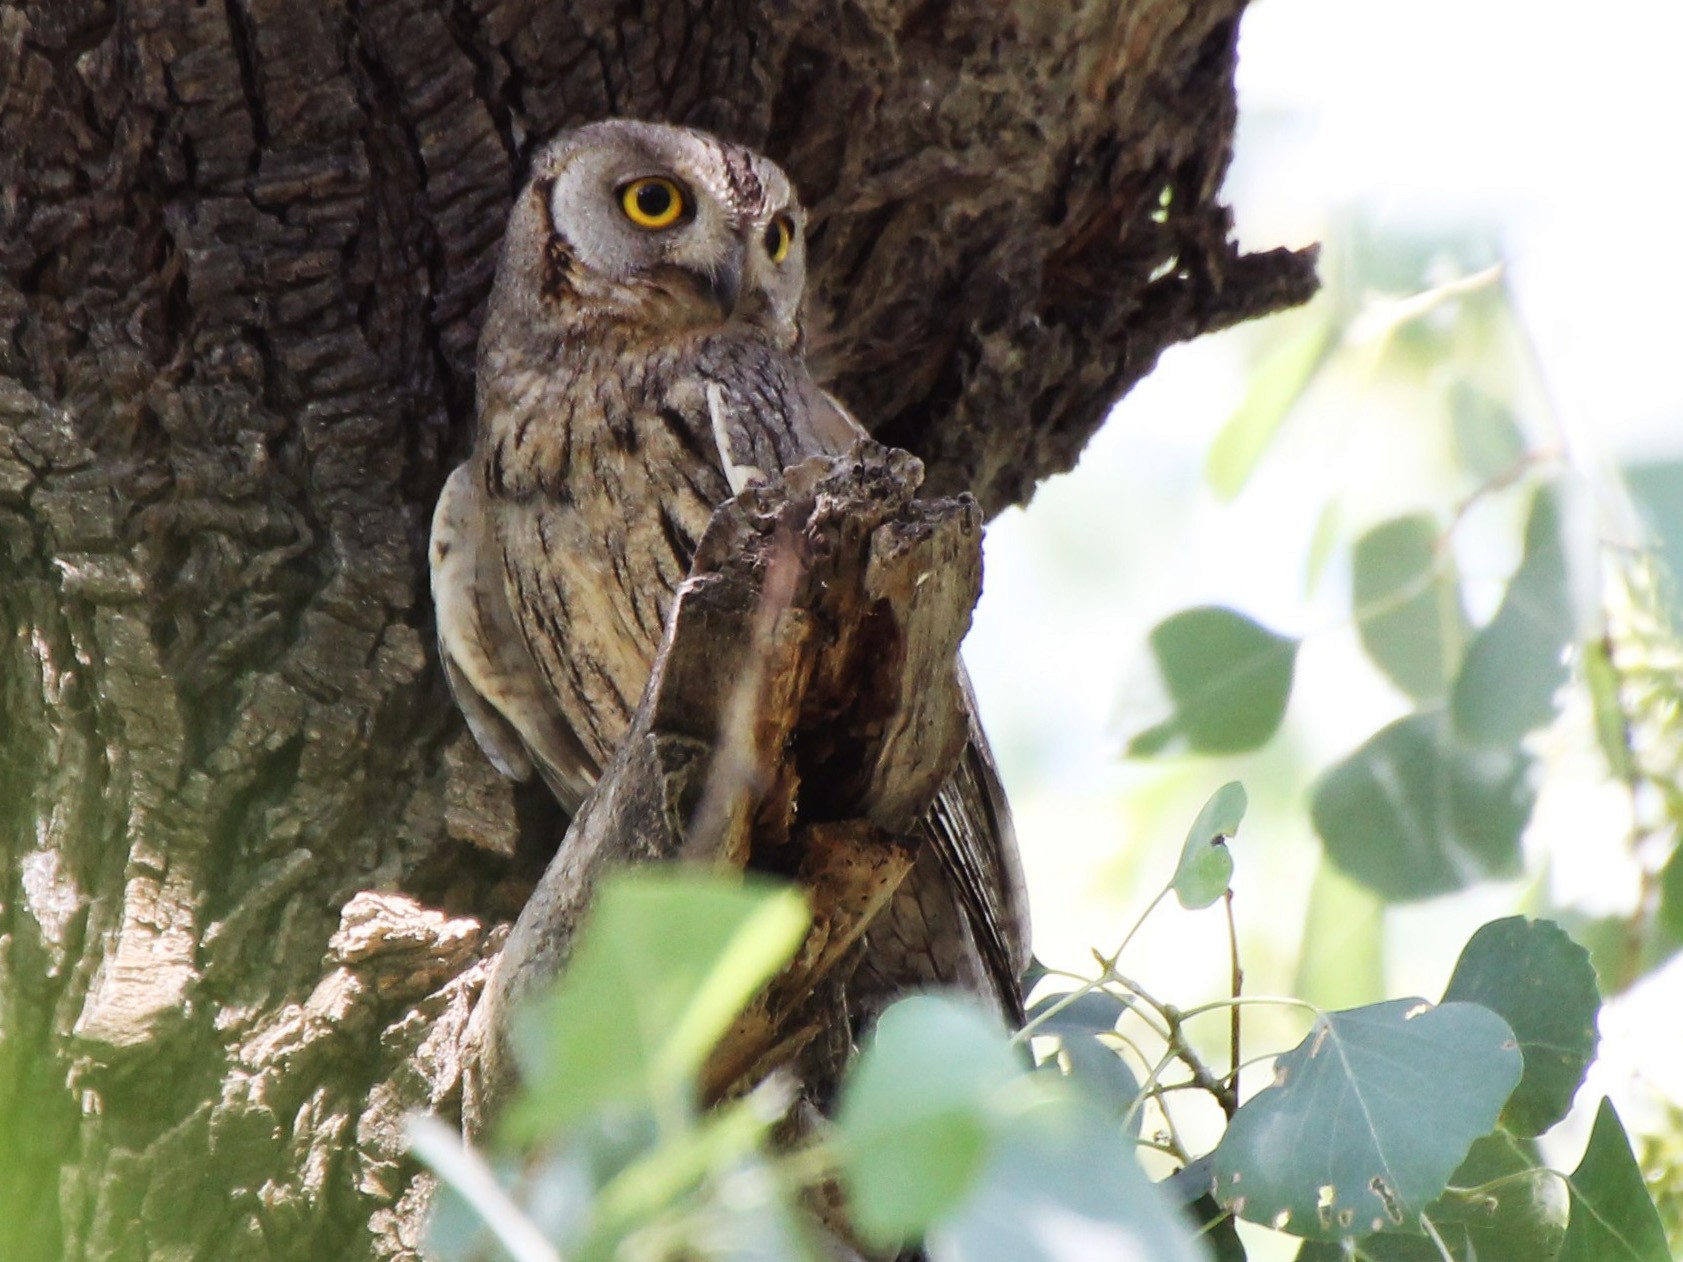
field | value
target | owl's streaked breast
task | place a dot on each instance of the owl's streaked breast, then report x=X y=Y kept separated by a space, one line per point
x=602 y=473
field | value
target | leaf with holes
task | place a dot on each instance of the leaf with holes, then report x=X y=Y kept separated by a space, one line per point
x=1227 y=679
x=1541 y=983
x=1518 y=1216
x=1367 y=1118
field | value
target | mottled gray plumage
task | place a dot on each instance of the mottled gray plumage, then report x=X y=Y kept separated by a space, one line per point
x=631 y=378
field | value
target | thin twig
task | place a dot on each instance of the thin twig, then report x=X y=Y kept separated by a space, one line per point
x=1238 y=987
x=1174 y=1035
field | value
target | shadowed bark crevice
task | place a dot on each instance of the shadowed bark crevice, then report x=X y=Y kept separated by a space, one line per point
x=244 y=250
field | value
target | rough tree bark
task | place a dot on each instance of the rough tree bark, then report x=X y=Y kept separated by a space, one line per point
x=251 y=869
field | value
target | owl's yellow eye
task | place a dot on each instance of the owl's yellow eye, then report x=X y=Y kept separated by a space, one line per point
x=652 y=202
x=780 y=234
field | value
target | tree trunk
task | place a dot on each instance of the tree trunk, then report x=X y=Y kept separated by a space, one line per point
x=252 y=870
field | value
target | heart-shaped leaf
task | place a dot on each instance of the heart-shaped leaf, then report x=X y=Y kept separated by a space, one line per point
x=1367 y=1118
x=1227 y=678
x=1414 y=813
x=1541 y=983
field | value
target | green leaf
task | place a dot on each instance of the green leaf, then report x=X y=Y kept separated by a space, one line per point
x=1658 y=490
x=919 y=1114
x=1607 y=939
x=1408 y=606
x=1033 y=975
x=1091 y=1012
x=1063 y=1184
x=1098 y=1072
x=1516 y=664
x=1532 y=975
x=1521 y=1219
x=1518 y=1219
x=1367 y=1118
x=1513 y=1210
x=749 y=1218
x=1321 y=543
x=1670 y=915
x=477 y=1194
x=666 y=961
x=1612 y=732
x=682 y=1161
x=1206 y=864
x=1276 y=384
x=1411 y=814
x=1613 y=1218
x=1487 y=435
x=1226 y=677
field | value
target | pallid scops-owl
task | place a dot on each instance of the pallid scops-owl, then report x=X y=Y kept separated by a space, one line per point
x=642 y=360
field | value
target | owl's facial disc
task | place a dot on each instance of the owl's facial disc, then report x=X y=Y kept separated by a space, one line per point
x=676 y=228
x=709 y=264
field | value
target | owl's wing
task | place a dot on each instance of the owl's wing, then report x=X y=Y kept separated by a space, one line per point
x=500 y=691
x=970 y=824
x=758 y=434
x=960 y=918
x=970 y=838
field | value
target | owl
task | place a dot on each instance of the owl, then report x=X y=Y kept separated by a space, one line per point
x=642 y=360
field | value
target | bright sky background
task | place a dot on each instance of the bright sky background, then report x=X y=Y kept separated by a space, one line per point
x=1560 y=127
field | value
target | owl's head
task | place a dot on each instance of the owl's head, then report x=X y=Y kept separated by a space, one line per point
x=660 y=226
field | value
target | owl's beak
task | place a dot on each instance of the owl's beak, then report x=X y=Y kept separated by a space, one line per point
x=724 y=279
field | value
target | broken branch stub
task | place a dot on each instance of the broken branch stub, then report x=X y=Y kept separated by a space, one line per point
x=802 y=712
